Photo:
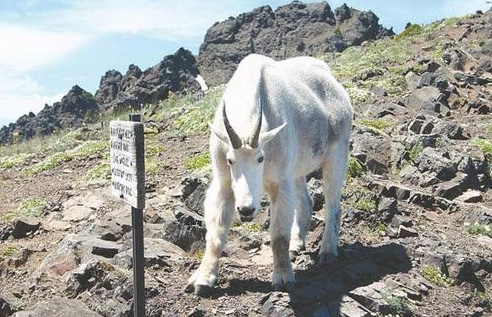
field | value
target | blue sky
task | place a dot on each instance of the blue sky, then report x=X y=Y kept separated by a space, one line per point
x=47 y=46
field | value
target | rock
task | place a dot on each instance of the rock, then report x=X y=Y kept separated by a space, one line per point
x=471 y=196
x=348 y=307
x=6 y=308
x=276 y=304
x=75 y=108
x=107 y=249
x=19 y=258
x=387 y=206
x=372 y=149
x=433 y=160
x=406 y=232
x=175 y=73
x=183 y=235
x=371 y=296
x=59 y=307
x=57 y=225
x=24 y=227
x=83 y=278
x=291 y=30
x=429 y=100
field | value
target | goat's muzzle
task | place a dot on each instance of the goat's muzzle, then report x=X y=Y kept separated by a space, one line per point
x=246 y=213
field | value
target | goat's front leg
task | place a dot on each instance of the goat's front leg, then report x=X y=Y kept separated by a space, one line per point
x=219 y=211
x=282 y=216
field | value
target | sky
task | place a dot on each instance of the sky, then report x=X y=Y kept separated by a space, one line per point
x=47 y=46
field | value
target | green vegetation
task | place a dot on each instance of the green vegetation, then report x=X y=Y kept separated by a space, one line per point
x=484 y=145
x=30 y=207
x=15 y=160
x=410 y=31
x=358 y=196
x=153 y=163
x=435 y=276
x=7 y=252
x=101 y=171
x=378 y=125
x=354 y=168
x=251 y=226
x=198 y=162
x=415 y=151
x=480 y=228
x=84 y=150
x=398 y=306
x=192 y=117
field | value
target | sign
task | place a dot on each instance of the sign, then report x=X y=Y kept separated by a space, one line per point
x=128 y=162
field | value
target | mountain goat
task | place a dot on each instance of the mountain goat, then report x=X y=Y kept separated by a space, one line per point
x=277 y=122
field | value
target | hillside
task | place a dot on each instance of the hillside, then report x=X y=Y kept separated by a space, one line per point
x=416 y=236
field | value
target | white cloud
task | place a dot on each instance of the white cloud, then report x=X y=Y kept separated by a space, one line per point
x=25 y=48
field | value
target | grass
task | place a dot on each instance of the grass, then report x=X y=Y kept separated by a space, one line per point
x=484 y=145
x=356 y=195
x=198 y=162
x=30 y=207
x=82 y=151
x=378 y=125
x=480 y=229
x=354 y=168
x=15 y=160
x=7 y=252
x=436 y=277
x=397 y=306
x=192 y=117
x=415 y=151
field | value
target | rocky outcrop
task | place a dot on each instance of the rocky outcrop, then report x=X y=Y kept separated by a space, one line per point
x=291 y=30
x=176 y=72
x=76 y=108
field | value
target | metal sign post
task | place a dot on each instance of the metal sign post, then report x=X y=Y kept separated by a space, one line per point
x=128 y=184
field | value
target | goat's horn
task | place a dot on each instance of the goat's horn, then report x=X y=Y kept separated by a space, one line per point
x=235 y=140
x=253 y=140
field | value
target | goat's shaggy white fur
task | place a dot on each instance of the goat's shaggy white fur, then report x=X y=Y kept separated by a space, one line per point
x=306 y=123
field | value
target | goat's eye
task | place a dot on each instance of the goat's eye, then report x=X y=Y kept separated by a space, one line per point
x=260 y=159
x=230 y=162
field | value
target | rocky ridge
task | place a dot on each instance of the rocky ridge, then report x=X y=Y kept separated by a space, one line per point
x=116 y=93
x=291 y=30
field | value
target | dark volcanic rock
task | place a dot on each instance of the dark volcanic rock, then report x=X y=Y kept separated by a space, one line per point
x=75 y=108
x=176 y=72
x=291 y=30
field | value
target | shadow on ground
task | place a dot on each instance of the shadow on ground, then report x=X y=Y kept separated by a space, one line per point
x=324 y=290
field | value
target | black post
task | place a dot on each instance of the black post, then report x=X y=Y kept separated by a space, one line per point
x=138 y=254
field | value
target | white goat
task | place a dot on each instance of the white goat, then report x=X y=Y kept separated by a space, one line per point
x=277 y=122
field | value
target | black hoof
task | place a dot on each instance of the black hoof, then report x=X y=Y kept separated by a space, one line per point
x=203 y=290
x=287 y=287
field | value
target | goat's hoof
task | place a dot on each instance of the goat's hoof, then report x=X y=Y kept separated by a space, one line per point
x=326 y=258
x=203 y=290
x=290 y=286
x=287 y=287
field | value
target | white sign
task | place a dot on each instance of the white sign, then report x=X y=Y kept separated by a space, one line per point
x=128 y=162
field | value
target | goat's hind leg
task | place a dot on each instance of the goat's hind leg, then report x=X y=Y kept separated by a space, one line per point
x=219 y=211
x=334 y=170
x=302 y=220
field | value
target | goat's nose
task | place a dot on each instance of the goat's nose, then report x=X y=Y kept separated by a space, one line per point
x=246 y=211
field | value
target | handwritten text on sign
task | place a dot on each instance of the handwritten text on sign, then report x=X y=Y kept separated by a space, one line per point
x=127 y=162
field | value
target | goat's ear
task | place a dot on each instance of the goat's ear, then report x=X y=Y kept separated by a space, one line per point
x=222 y=136
x=266 y=137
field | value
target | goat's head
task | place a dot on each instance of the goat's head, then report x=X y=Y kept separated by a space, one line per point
x=245 y=158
